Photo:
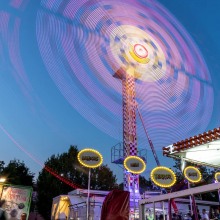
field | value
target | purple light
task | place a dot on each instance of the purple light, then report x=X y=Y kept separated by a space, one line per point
x=76 y=49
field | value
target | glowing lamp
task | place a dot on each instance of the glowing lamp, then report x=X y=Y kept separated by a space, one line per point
x=163 y=177
x=90 y=158
x=192 y=174
x=217 y=176
x=2 y=179
x=134 y=164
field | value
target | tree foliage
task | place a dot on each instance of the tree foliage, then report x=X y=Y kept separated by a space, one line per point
x=67 y=165
x=2 y=164
x=144 y=184
x=207 y=178
x=17 y=173
x=207 y=174
x=102 y=178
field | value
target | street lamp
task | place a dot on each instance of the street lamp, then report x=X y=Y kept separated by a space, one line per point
x=2 y=179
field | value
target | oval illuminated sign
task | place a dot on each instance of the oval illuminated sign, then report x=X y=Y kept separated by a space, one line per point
x=217 y=176
x=90 y=158
x=134 y=164
x=192 y=174
x=163 y=177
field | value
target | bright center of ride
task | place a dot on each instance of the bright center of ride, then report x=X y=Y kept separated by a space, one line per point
x=140 y=51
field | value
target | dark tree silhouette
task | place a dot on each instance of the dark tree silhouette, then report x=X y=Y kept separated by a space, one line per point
x=17 y=173
x=67 y=165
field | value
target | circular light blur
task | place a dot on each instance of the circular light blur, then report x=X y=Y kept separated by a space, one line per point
x=192 y=174
x=83 y=43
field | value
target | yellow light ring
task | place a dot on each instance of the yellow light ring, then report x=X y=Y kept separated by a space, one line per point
x=91 y=151
x=134 y=158
x=216 y=176
x=138 y=59
x=196 y=170
x=160 y=184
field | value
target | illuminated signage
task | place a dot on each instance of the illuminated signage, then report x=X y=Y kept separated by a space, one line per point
x=192 y=174
x=163 y=177
x=217 y=176
x=90 y=158
x=134 y=164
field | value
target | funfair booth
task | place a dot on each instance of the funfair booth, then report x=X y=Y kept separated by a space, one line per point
x=74 y=205
x=202 y=149
x=161 y=205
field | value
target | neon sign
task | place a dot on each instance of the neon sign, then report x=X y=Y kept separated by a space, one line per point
x=163 y=177
x=134 y=164
x=192 y=174
x=90 y=158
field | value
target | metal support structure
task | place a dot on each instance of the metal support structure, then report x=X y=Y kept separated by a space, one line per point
x=219 y=195
x=154 y=206
x=190 y=199
x=193 y=204
x=131 y=181
x=88 y=195
x=141 y=212
x=163 y=208
x=148 y=138
x=194 y=207
x=169 y=209
x=178 y=194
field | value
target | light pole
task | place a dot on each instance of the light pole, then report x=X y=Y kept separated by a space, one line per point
x=2 y=179
x=92 y=159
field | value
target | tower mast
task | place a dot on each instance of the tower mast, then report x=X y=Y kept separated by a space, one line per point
x=131 y=181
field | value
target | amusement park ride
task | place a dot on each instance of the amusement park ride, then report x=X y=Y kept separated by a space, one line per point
x=116 y=60
x=158 y=71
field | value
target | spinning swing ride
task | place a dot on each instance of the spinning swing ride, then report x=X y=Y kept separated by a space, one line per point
x=157 y=68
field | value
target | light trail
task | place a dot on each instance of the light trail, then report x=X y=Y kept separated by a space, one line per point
x=48 y=169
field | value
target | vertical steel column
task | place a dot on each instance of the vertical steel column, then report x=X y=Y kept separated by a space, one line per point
x=131 y=181
x=219 y=195
x=170 y=209
x=88 y=195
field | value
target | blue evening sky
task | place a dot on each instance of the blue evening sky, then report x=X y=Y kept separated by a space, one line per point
x=35 y=116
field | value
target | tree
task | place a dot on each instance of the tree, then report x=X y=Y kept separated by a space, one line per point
x=207 y=178
x=207 y=174
x=67 y=165
x=2 y=164
x=102 y=178
x=17 y=173
x=144 y=184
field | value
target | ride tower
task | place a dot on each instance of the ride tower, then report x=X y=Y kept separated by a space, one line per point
x=138 y=53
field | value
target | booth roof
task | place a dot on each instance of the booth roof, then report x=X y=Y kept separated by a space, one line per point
x=202 y=149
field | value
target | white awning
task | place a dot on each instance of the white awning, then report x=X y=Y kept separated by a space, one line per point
x=206 y=154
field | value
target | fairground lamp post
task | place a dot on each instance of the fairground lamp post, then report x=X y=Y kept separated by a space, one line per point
x=2 y=179
x=92 y=159
x=134 y=165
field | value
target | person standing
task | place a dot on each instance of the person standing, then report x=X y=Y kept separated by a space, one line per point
x=3 y=215
x=188 y=216
x=217 y=214
x=199 y=216
x=24 y=216
x=204 y=215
